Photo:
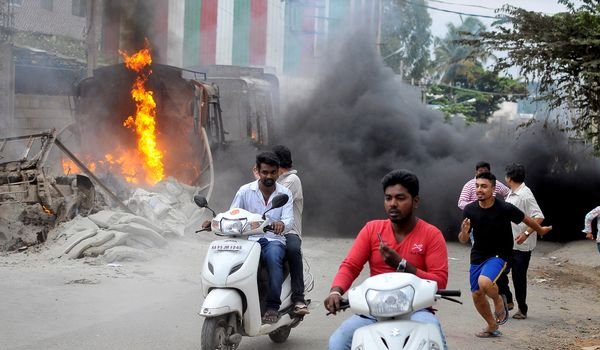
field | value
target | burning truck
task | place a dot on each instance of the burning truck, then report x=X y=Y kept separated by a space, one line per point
x=140 y=125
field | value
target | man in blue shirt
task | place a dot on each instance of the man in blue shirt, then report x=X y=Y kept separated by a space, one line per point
x=256 y=197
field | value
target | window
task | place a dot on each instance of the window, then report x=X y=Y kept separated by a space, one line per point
x=46 y=4
x=79 y=8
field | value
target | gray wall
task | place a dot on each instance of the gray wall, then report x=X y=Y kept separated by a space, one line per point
x=6 y=88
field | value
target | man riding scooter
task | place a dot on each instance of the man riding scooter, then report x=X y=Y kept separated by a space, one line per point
x=402 y=243
x=255 y=197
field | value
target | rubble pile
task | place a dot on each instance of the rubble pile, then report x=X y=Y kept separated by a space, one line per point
x=165 y=213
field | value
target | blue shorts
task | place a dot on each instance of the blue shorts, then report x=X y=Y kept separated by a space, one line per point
x=491 y=268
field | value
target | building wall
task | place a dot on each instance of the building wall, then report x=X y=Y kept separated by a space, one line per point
x=31 y=17
x=35 y=113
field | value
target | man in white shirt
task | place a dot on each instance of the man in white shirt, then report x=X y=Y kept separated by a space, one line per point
x=525 y=238
x=256 y=197
x=289 y=178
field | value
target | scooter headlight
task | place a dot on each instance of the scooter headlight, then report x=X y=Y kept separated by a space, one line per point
x=232 y=227
x=389 y=303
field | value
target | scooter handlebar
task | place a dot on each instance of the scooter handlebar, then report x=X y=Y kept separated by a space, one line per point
x=449 y=292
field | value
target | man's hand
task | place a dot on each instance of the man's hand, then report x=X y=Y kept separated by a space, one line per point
x=465 y=227
x=521 y=237
x=332 y=302
x=544 y=230
x=588 y=235
x=278 y=227
x=206 y=225
x=390 y=256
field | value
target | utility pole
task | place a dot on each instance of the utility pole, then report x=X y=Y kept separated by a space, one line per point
x=91 y=42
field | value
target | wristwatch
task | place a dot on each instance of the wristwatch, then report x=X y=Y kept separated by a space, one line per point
x=527 y=233
x=401 y=266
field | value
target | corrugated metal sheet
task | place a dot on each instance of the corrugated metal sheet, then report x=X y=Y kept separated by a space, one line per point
x=225 y=32
x=191 y=33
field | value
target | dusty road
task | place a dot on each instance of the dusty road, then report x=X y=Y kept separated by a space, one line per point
x=51 y=303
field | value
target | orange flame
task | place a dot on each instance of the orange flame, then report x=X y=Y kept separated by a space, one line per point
x=144 y=121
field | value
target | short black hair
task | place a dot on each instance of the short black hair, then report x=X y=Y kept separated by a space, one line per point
x=402 y=177
x=487 y=175
x=268 y=158
x=483 y=164
x=284 y=155
x=515 y=172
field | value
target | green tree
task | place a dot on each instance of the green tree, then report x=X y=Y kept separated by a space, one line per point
x=560 y=52
x=464 y=86
x=406 y=37
x=451 y=56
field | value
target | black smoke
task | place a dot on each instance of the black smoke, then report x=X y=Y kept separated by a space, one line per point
x=359 y=122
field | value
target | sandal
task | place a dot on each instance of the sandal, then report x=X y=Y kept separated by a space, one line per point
x=488 y=334
x=501 y=318
x=301 y=309
x=271 y=316
x=519 y=315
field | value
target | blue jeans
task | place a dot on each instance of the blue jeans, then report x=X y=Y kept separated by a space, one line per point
x=273 y=252
x=294 y=257
x=341 y=339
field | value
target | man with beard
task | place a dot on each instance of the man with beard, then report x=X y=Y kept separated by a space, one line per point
x=408 y=244
x=256 y=197
x=492 y=250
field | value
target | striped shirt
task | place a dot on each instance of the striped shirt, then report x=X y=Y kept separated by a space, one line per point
x=587 y=224
x=467 y=195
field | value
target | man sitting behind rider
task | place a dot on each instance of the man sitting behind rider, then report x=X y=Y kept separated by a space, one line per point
x=256 y=197
x=409 y=244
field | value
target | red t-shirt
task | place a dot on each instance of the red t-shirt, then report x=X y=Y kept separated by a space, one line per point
x=424 y=247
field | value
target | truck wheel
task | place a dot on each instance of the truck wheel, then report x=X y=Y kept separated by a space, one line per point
x=280 y=335
x=215 y=334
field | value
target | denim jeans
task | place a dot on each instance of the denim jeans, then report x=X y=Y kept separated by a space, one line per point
x=341 y=339
x=273 y=252
x=519 y=277
x=294 y=257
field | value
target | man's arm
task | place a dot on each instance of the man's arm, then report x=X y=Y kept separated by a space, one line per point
x=465 y=195
x=238 y=200
x=542 y=230
x=587 y=223
x=533 y=210
x=349 y=269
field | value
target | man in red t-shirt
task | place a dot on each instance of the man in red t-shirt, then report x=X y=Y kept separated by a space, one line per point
x=409 y=244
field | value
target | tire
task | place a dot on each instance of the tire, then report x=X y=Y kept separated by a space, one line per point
x=280 y=335
x=215 y=334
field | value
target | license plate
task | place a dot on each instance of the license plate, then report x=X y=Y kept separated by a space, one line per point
x=226 y=247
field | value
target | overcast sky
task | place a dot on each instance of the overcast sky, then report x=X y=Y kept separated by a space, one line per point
x=481 y=7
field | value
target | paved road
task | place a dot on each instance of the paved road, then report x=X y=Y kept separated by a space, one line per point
x=50 y=303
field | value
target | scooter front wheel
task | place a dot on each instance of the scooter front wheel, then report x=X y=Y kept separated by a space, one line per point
x=216 y=334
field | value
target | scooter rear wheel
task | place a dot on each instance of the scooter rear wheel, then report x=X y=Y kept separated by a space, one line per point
x=215 y=334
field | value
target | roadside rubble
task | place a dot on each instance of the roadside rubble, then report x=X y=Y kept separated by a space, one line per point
x=78 y=214
x=117 y=236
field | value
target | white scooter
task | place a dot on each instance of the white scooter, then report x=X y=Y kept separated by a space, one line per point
x=391 y=298
x=234 y=286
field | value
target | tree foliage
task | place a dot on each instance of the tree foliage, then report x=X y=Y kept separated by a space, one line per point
x=406 y=37
x=560 y=52
x=464 y=86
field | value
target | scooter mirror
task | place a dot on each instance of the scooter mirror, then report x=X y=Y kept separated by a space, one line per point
x=200 y=201
x=279 y=201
